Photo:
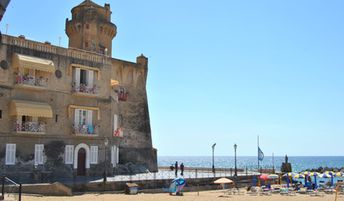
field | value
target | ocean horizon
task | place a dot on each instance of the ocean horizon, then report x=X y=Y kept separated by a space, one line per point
x=299 y=163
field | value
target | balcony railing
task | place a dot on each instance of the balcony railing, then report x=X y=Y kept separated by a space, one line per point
x=31 y=80
x=84 y=129
x=30 y=126
x=86 y=89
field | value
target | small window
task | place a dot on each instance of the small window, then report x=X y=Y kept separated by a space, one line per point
x=39 y=148
x=69 y=151
x=0 y=114
x=10 y=154
x=56 y=117
x=87 y=26
x=86 y=44
x=94 y=155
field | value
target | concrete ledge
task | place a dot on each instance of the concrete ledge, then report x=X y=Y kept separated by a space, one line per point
x=55 y=189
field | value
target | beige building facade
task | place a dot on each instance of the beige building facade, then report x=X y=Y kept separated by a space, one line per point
x=69 y=112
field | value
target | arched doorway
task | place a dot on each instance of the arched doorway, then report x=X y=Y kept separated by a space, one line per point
x=81 y=171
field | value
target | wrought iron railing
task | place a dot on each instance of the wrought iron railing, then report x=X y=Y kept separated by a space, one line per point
x=32 y=127
x=82 y=88
x=31 y=80
x=84 y=129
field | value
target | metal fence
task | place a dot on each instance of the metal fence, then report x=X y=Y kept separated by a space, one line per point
x=10 y=190
x=189 y=173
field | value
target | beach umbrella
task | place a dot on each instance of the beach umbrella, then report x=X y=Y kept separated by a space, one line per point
x=289 y=174
x=339 y=174
x=306 y=173
x=299 y=176
x=222 y=181
x=315 y=175
x=273 y=176
x=264 y=177
x=325 y=175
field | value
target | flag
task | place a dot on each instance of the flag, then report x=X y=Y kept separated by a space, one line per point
x=260 y=154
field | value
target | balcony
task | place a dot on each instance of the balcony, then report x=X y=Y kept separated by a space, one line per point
x=30 y=127
x=86 y=90
x=84 y=130
x=31 y=81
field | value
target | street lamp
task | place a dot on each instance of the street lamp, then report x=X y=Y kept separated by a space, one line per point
x=235 y=161
x=213 y=167
x=106 y=143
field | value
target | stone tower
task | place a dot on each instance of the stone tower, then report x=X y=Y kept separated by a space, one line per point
x=90 y=28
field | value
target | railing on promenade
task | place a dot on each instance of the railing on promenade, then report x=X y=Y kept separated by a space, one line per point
x=10 y=189
x=166 y=173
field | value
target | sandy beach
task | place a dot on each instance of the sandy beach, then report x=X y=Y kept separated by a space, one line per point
x=190 y=196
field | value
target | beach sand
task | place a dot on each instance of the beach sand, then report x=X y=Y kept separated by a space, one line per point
x=190 y=196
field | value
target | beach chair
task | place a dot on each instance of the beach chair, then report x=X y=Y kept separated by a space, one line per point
x=302 y=190
x=254 y=191
x=284 y=191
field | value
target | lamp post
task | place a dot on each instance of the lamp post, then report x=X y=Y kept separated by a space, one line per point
x=106 y=142
x=235 y=161
x=213 y=147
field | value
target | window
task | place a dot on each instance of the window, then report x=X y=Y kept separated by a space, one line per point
x=0 y=114
x=69 y=151
x=86 y=44
x=114 y=155
x=10 y=154
x=115 y=123
x=87 y=26
x=83 y=117
x=83 y=78
x=94 y=155
x=39 y=154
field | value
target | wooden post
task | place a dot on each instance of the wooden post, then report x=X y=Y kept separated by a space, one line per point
x=3 y=187
x=20 y=191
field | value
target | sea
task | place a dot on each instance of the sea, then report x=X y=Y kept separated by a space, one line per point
x=299 y=163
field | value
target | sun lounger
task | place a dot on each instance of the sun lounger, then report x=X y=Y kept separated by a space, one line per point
x=302 y=190
x=284 y=191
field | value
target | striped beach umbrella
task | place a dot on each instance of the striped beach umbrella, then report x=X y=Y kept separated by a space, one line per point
x=339 y=174
x=289 y=174
x=315 y=175
x=325 y=175
x=273 y=176
x=299 y=176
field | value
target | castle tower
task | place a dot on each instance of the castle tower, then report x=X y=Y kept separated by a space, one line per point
x=90 y=28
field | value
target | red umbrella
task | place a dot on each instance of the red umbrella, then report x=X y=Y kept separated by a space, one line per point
x=264 y=177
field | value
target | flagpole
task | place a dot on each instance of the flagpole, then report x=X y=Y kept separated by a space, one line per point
x=258 y=151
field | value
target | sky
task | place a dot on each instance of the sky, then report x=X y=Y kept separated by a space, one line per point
x=224 y=71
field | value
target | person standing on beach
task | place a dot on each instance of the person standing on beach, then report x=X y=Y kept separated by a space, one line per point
x=176 y=168
x=182 y=169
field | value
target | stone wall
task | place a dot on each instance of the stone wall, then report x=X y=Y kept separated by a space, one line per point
x=136 y=144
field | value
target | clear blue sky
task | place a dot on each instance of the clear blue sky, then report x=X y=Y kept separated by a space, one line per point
x=225 y=71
